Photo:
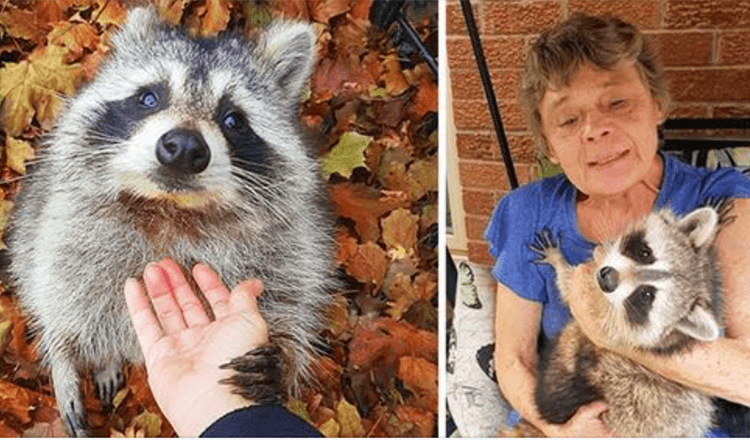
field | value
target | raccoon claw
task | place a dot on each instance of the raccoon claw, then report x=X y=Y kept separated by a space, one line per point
x=74 y=417
x=258 y=375
x=106 y=383
x=543 y=242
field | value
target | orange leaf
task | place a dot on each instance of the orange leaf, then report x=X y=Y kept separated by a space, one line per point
x=363 y=205
x=384 y=341
x=347 y=247
x=216 y=18
x=75 y=37
x=21 y=23
x=114 y=12
x=421 y=377
x=425 y=100
x=323 y=10
x=171 y=10
x=369 y=264
x=400 y=229
x=424 y=421
x=394 y=79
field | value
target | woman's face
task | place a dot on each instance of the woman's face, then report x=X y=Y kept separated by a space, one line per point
x=601 y=129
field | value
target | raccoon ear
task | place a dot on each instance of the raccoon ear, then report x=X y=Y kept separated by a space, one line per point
x=140 y=27
x=700 y=226
x=288 y=50
x=700 y=324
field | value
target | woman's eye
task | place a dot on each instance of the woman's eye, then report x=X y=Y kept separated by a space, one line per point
x=617 y=104
x=567 y=122
x=149 y=99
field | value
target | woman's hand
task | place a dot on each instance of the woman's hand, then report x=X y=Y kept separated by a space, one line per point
x=183 y=348
x=586 y=422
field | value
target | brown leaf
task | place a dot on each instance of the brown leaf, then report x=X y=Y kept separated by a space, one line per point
x=55 y=429
x=423 y=421
x=394 y=79
x=24 y=24
x=425 y=100
x=400 y=229
x=113 y=12
x=76 y=37
x=18 y=401
x=421 y=377
x=16 y=153
x=369 y=264
x=363 y=205
x=347 y=247
x=384 y=341
x=171 y=10
x=323 y=10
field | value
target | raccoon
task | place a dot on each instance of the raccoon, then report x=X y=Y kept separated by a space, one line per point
x=658 y=290
x=183 y=148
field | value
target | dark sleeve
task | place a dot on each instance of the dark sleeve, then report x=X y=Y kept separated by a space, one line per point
x=261 y=421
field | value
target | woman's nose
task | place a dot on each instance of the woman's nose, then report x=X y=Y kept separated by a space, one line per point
x=597 y=126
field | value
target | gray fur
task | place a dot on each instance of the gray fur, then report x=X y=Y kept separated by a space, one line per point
x=677 y=262
x=98 y=208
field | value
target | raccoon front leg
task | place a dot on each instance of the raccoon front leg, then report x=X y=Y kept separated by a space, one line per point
x=259 y=375
x=107 y=381
x=548 y=249
x=66 y=381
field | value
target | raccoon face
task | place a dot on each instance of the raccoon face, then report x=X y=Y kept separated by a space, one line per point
x=199 y=123
x=657 y=280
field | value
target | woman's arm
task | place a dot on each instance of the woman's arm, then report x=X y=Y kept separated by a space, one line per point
x=516 y=333
x=720 y=368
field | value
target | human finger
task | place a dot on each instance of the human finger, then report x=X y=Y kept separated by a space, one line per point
x=191 y=307
x=165 y=306
x=213 y=289
x=144 y=321
x=244 y=297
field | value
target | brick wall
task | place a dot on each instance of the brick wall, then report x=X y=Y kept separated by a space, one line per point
x=704 y=44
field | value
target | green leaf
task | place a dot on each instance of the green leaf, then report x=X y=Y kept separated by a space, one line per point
x=347 y=155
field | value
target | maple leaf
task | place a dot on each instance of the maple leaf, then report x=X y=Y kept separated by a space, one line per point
x=16 y=153
x=171 y=10
x=400 y=229
x=347 y=155
x=110 y=12
x=24 y=24
x=31 y=88
x=384 y=341
x=75 y=37
x=215 y=19
x=368 y=265
x=364 y=205
x=323 y=10
x=348 y=417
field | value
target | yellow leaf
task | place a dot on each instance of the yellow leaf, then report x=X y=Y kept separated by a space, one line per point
x=31 y=88
x=347 y=155
x=351 y=424
x=400 y=229
x=298 y=407
x=330 y=429
x=149 y=423
x=16 y=152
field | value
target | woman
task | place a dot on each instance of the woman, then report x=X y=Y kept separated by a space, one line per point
x=595 y=94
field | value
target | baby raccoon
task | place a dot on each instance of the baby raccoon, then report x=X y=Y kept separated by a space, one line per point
x=659 y=290
x=182 y=148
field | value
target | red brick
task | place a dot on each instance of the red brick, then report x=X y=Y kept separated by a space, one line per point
x=454 y=19
x=478 y=202
x=483 y=175
x=475 y=227
x=709 y=84
x=479 y=252
x=521 y=17
x=683 y=48
x=734 y=48
x=643 y=14
x=680 y=110
x=475 y=115
x=486 y=146
x=490 y=175
x=498 y=52
x=707 y=14
x=467 y=84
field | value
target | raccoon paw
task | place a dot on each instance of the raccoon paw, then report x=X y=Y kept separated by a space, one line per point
x=258 y=375
x=73 y=415
x=107 y=381
x=544 y=244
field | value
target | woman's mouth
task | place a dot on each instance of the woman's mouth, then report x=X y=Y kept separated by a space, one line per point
x=608 y=159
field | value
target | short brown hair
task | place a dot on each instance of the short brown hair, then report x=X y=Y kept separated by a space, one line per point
x=603 y=42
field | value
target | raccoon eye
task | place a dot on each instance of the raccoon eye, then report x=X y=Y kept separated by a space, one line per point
x=149 y=99
x=232 y=120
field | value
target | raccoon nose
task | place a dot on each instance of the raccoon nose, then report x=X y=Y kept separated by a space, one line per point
x=608 y=279
x=183 y=151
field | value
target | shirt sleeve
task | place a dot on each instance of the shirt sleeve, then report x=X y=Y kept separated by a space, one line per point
x=509 y=233
x=261 y=421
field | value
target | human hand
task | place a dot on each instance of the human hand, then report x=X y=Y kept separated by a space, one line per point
x=586 y=422
x=183 y=348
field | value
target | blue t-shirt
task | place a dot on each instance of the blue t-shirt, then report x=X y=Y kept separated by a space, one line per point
x=551 y=204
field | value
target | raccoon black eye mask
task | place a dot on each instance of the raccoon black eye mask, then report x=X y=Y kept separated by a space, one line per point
x=182 y=148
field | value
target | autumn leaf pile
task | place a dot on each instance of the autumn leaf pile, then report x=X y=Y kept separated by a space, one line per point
x=371 y=112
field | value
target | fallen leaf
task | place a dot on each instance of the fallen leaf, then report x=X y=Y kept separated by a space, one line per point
x=421 y=377
x=400 y=229
x=348 y=417
x=110 y=12
x=16 y=153
x=75 y=37
x=347 y=155
x=363 y=205
x=369 y=264
x=171 y=10
x=423 y=421
x=55 y=429
x=20 y=23
x=384 y=340
x=330 y=429
x=323 y=10
x=395 y=82
x=149 y=422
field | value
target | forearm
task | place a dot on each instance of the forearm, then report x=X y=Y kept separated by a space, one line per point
x=720 y=368
x=518 y=383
